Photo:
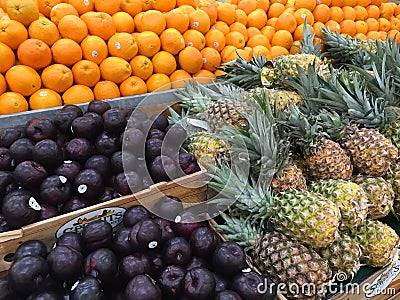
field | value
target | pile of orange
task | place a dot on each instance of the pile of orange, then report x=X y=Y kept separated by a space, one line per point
x=56 y=52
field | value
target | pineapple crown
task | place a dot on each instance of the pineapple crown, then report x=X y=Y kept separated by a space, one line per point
x=307 y=42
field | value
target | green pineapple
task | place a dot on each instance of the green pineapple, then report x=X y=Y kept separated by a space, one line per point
x=380 y=195
x=348 y=196
x=393 y=177
x=281 y=96
x=287 y=262
x=343 y=255
x=378 y=243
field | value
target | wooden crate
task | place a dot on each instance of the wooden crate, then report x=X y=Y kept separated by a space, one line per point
x=190 y=189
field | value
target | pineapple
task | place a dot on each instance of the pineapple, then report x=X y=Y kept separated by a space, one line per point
x=348 y=196
x=282 y=97
x=288 y=179
x=378 y=243
x=380 y=195
x=393 y=177
x=343 y=255
x=300 y=271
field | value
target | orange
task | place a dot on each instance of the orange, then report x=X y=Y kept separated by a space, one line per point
x=148 y=43
x=360 y=36
x=263 y=4
x=194 y=38
x=307 y=4
x=44 y=98
x=226 y=13
x=45 y=6
x=349 y=13
x=287 y=21
x=295 y=47
x=164 y=63
x=257 y=18
x=23 y=79
x=86 y=72
x=133 y=85
x=187 y=9
x=361 y=13
x=177 y=19
x=268 y=31
x=339 y=3
x=317 y=28
x=7 y=58
x=45 y=30
x=122 y=44
x=284 y=2
x=282 y=38
x=23 y=11
x=193 y=3
x=258 y=39
x=252 y=31
x=12 y=33
x=115 y=69
x=348 y=27
x=107 y=6
x=204 y=77
x=383 y=35
x=60 y=10
x=146 y=5
x=153 y=20
x=106 y=90
x=373 y=35
x=241 y=17
x=3 y=84
x=247 y=6
x=373 y=24
x=326 y=2
x=246 y=53
x=351 y=3
x=386 y=10
x=34 y=53
x=235 y=39
x=277 y=51
x=11 y=103
x=384 y=24
x=261 y=50
x=239 y=27
x=163 y=5
x=172 y=41
x=397 y=9
x=199 y=20
x=211 y=58
x=57 y=77
x=228 y=54
x=221 y=26
x=302 y=14
x=179 y=79
x=299 y=32
x=100 y=24
x=141 y=66
x=215 y=39
x=394 y=24
x=211 y=9
x=361 y=27
x=190 y=59
x=332 y=26
x=158 y=82
x=136 y=20
x=373 y=11
x=94 y=48
x=392 y=34
x=321 y=13
x=123 y=22
x=337 y=14
x=72 y=27
x=132 y=7
x=77 y=94
x=275 y=10
x=66 y=52
x=81 y=6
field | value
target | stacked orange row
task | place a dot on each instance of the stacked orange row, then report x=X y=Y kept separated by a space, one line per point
x=56 y=52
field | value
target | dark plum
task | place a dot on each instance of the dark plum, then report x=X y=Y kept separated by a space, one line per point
x=3 y=224
x=63 y=139
x=129 y=163
x=29 y=174
x=48 y=154
x=185 y=224
x=156 y=134
x=133 y=141
x=145 y=234
x=133 y=265
x=38 y=129
x=153 y=149
x=20 y=208
x=102 y=264
x=6 y=183
x=108 y=194
x=106 y=144
x=97 y=234
x=73 y=107
x=157 y=265
x=89 y=184
x=175 y=135
x=6 y=160
x=166 y=229
x=120 y=244
x=64 y=118
x=138 y=114
x=65 y=264
x=69 y=169
x=55 y=190
x=75 y=203
x=87 y=288
x=142 y=287
x=79 y=149
x=116 y=163
x=47 y=211
x=30 y=247
x=197 y=262
x=229 y=258
x=168 y=208
x=171 y=281
x=199 y=284
x=98 y=107
x=98 y=118
x=162 y=168
x=21 y=150
x=134 y=122
x=160 y=122
x=100 y=163
x=48 y=295
x=126 y=184
x=134 y=214
x=247 y=285
x=27 y=274
x=177 y=251
x=228 y=295
x=85 y=127
x=114 y=120
x=72 y=240
x=221 y=283
x=6 y=292
x=188 y=163
x=204 y=241
x=9 y=136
